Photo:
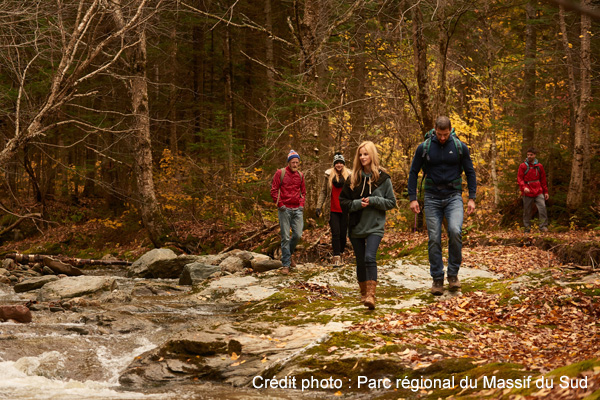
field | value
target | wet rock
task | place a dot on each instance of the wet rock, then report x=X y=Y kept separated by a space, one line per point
x=140 y=267
x=76 y=286
x=8 y=263
x=47 y=271
x=116 y=296
x=60 y=267
x=196 y=273
x=78 y=329
x=233 y=264
x=154 y=288
x=34 y=283
x=172 y=268
x=17 y=313
x=265 y=265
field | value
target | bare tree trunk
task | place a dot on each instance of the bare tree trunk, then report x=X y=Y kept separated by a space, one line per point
x=151 y=214
x=357 y=88
x=580 y=105
x=420 y=49
x=269 y=55
x=490 y=52
x=150 y=210
x=443 y=42
x=228 y=98
x=529 y=79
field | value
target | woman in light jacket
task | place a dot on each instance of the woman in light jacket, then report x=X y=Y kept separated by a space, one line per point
x=330 y=198
x=366 y=196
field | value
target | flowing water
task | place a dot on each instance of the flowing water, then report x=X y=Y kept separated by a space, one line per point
x=80 y=353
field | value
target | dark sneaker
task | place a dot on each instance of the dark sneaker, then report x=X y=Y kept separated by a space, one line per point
x=453 y=283
x=437 y=288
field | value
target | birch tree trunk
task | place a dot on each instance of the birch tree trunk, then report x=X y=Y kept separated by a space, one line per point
x=580 y=100
x=151 y=214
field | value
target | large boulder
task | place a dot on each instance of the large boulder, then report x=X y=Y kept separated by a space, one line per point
x=76 y=286
x=171 y=268
x=140 y=267
x=233 y=264
x=196 y=272
x=34 y=283
x=17 y=313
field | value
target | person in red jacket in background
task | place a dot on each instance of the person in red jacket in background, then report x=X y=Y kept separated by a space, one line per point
x=532 y=182
x=289 y=192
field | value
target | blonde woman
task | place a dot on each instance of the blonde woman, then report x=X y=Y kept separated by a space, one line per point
x=330 y=198
x=366 y=196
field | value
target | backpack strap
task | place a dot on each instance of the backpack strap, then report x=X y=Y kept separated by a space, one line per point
x=280 y=183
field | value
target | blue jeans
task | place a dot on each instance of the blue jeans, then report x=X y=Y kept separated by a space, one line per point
x=365 y=250
x=435 y=210
x=289 y=218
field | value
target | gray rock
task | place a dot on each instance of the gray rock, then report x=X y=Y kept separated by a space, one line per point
x=47 y=271
x=140 y=267
x=34 y=283
x=196 y=272
x=76 y=286
x=8 y=263
x=171 y=268
x=265 y=265
x=232 y=264
x=4 y=272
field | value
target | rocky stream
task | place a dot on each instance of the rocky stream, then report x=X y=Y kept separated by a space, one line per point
x=226 y=326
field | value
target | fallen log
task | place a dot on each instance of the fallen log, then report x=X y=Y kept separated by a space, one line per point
x=76 y=262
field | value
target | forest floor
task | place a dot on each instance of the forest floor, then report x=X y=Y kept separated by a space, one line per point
x=536 y=317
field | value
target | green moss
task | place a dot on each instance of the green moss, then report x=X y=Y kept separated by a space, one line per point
x=575 y=369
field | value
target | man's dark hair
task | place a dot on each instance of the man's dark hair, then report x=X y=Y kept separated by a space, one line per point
x=443 y=123
x=531 y=150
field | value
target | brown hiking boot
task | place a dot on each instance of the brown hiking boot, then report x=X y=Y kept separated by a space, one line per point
x=292 y=263
x=363 y=291
x=370 y=298
x=437 y=288
x=284 y=270
x=453 y=283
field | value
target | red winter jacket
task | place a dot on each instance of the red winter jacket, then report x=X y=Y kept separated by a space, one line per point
x=535 y=179
x=293 y=190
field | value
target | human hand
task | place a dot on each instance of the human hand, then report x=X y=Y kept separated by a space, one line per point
x=526 y=190
x=546 y=196
x=364 y=202
x=470 y=206
x=414 y=206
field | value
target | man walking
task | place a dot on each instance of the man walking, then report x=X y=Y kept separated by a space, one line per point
x=534 y=189
x=443 y=159
x=288 y=192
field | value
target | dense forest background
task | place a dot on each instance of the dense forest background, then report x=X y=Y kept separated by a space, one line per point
x=168 y=115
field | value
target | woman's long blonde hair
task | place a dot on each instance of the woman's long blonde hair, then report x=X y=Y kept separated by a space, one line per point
x=334 y=175
x=357 y=167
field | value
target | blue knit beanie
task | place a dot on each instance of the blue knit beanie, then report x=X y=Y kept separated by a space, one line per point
x=293 y=154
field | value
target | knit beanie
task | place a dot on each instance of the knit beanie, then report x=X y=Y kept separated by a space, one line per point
x=293 y=154
x=338 y=157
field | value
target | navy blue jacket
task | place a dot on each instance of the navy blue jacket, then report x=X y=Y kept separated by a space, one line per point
x=443 y=167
